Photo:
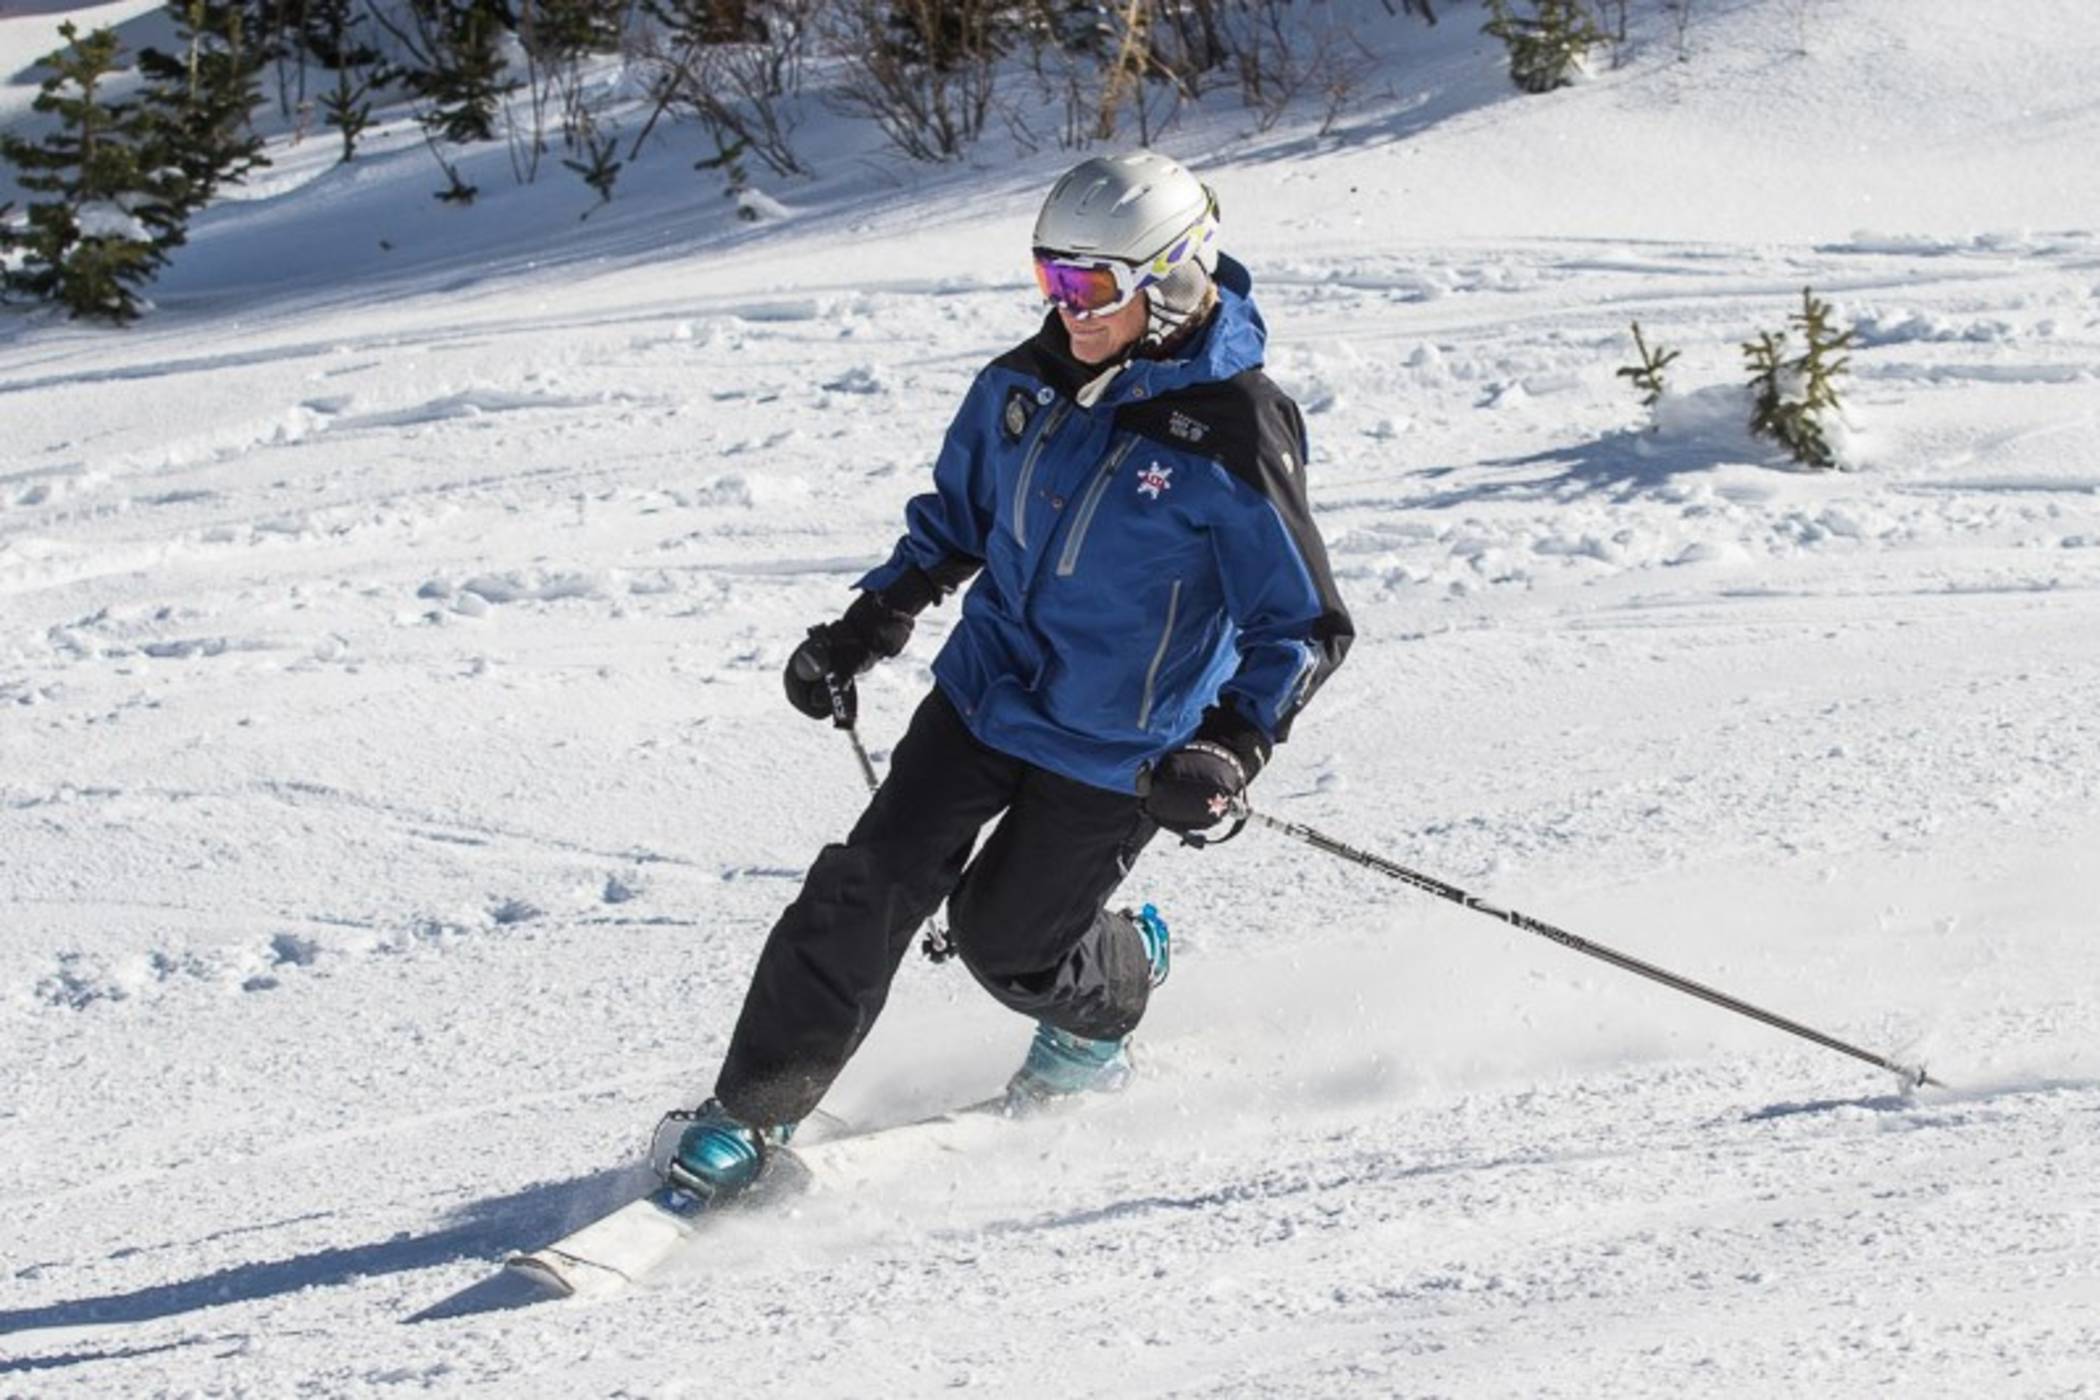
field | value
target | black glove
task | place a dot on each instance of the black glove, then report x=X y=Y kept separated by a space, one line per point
x=873 y=629
x=1198 y=785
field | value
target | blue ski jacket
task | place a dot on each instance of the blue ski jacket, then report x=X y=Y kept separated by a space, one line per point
x=1146 y=546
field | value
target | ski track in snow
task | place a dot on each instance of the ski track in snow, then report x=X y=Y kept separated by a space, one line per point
x=395 y=790
x=412 y=728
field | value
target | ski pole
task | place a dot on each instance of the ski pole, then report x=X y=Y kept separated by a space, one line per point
x=935 y=944
x=842 y=718
x=1913 y=1076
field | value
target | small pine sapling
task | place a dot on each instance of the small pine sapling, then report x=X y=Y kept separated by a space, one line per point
x=1766 y=359
x=348 y=108
x=729 y=158
x=598 y=167
x=1793 y=396
x=1647 y=376
x=332 y=36
x=1546 y=49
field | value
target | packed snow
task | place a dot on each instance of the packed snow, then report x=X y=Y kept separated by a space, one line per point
x=395 y=784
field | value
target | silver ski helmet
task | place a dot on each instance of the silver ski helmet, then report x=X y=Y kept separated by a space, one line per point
x=1113 y=227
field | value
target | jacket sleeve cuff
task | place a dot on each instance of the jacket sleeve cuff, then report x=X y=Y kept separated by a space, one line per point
x=915 y=589
x=1223 y=724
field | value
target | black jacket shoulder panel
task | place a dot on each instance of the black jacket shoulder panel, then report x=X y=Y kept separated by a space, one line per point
x=1246 y=424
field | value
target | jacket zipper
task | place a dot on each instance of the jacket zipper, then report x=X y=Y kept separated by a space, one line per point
x=1159 y=654
x=1035 y=453
x=1069 y=560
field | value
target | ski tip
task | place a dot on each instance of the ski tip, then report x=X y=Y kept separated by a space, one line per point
x=531 y=1268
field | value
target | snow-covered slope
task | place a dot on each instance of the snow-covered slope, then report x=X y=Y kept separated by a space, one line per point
x=395 y=788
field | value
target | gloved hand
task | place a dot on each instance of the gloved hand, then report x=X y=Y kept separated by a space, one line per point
x=835 y=652
x=1197 y=785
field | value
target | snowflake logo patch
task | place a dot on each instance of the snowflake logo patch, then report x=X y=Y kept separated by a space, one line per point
x=1155 y=480
x=1221 y=806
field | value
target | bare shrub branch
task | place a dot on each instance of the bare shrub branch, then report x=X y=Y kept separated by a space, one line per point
x=924 y=71
x=736 y=68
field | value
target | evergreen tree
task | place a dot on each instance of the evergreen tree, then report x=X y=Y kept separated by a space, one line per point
x=112 y=208
x=561 y=28
x=348 y=107
x=465 y=79
x=10 y=240
x=1647 y=376
x=1792 y=397
x=1548 y=46
x=332 y=33
x=322 y=30
x=203 y=95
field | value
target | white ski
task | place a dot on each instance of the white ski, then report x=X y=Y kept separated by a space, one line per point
x=616 y=1250
x=626 y=1245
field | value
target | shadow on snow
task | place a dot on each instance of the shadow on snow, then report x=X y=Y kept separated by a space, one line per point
x=19 y=1365
x=484 y=1230
x=1623 y=465
x=1958 y=1094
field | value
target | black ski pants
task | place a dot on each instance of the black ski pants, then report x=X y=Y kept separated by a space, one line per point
x=1026 y=915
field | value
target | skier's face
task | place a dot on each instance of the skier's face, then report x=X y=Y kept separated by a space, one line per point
x=1099 y=339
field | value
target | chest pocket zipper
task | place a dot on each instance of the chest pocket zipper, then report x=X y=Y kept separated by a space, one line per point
x=1035 y=454
x=1091 y=502
x=1159 y=654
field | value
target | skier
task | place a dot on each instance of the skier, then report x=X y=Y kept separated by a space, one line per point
x=1154 y=607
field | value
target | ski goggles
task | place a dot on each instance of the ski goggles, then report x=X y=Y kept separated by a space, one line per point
x=1089 y=287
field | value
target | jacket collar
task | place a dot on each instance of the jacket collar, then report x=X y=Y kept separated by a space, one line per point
x=1231 y=344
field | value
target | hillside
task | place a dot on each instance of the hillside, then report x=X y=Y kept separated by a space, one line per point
x=395 y=786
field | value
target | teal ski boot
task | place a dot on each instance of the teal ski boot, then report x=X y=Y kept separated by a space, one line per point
x=713 y=1155
x=1060 y=1063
